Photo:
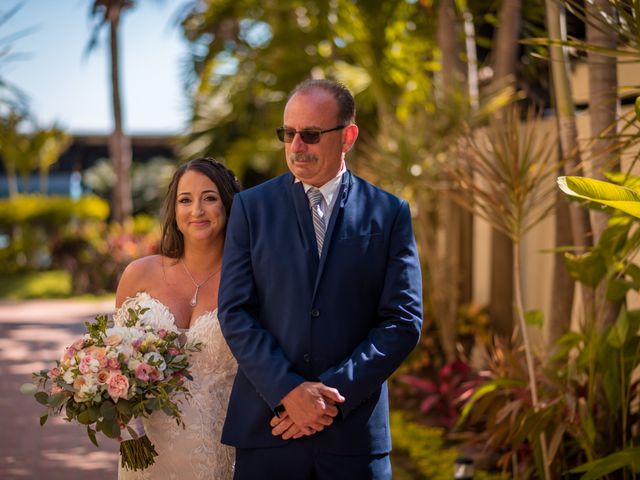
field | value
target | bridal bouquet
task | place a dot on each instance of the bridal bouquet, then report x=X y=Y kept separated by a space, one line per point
x=114 y=376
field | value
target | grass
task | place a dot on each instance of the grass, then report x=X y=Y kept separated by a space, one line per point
x=49 y=284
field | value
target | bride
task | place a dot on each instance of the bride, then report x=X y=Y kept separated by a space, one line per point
x=181 y=283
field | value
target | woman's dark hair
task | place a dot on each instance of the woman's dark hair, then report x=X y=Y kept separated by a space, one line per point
x=172 y=241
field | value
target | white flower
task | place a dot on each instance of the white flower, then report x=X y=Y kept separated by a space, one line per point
x=68 y=376
x=133 y=363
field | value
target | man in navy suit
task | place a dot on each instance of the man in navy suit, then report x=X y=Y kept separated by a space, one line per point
x=320 y=301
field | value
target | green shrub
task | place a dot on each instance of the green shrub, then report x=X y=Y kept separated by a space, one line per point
x=51 y=284
x=31 y=223
x=421 y=452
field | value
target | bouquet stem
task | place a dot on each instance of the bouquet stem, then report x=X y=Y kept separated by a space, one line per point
x=137 y=453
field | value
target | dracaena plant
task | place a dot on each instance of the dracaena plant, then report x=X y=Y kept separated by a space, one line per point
x=506 y=173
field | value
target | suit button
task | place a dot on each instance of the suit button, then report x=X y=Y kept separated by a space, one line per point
x=306 y=357
x=315 y=313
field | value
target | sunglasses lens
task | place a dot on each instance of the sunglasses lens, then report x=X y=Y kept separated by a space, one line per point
x=287 y=135
x=309 y=136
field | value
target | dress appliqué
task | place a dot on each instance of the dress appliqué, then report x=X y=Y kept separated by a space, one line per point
x=194 y=452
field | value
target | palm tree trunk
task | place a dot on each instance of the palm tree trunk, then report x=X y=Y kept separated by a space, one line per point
x=563 y=284
x=119 y=144
x=603 y=109
x=565 y=114
x=504 y=66
x=458 y=227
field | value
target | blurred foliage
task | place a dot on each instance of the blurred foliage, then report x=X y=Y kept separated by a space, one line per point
x=149 y=182
x=589 y=388
x=50 y=212
x=96 y=253
x=49 y=284
x=31 y=223
x=422 y=453
x=441 y=400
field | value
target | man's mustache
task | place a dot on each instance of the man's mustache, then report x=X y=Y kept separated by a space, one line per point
x=303 y=157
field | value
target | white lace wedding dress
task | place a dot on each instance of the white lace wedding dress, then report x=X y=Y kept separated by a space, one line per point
x=194 y=452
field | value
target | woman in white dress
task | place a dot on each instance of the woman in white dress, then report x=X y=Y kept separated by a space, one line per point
x=181 y=284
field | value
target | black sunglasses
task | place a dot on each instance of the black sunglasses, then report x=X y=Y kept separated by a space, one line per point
x=310 y=135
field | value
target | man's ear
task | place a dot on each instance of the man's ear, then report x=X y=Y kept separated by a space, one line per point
x=349 y=135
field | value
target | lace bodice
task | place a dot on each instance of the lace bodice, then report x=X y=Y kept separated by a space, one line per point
x=194 y=452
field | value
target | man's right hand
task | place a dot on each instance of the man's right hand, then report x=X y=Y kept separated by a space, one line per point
x=311 y=406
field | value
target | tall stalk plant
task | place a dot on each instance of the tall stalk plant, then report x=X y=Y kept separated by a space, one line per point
x=506 y=175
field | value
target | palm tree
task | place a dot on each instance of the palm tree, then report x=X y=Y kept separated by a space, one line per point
x=565 y=115
x=110 y=12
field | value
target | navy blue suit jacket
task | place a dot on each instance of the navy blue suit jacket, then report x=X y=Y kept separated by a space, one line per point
x=347 y=319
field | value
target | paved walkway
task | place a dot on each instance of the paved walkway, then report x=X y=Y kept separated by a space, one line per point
x=32 y=336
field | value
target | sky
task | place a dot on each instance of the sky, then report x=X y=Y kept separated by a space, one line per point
x=73 y=89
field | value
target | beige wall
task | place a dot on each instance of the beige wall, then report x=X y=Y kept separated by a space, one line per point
x=537 y=261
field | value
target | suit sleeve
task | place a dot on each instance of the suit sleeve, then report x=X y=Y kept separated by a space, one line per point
x=397 y=330
x=259 y=356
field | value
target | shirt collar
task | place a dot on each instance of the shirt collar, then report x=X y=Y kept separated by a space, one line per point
x=330 y=189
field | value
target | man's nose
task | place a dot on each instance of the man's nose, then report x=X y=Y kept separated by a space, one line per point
x=297 y=145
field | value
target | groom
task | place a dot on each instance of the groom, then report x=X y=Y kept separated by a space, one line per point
x=320 y=301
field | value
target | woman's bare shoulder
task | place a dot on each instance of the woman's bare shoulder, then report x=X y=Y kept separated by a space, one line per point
x=139 y=276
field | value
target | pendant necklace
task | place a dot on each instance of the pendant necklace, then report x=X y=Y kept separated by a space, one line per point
x=194 y=299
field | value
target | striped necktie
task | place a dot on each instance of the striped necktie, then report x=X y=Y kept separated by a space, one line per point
x=315 y=201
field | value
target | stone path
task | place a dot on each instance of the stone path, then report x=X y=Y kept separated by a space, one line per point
x=32 y=336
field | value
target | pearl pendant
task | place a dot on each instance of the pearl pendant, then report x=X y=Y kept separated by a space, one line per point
x=194 y=299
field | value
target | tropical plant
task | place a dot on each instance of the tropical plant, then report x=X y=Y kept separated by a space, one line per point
x=505 y=174
x=588 y=385
x=109 y=12
x=12 y=98
x=442 y=399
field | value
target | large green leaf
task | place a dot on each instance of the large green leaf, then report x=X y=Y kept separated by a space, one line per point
x=629 y=457
x=604 y=193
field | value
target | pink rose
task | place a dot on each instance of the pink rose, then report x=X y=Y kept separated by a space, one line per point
x=143 y=371
x=103 y=376
x=162 y=333
x=78 y=344
x=55 y=388
x=136 y=343
x=54 y=372
x=173 y=351
x=117 y=386
x=113 y=364
x=88 y=365
x=156 y=374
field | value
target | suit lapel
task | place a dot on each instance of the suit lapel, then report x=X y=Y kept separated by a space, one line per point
x=305 y=223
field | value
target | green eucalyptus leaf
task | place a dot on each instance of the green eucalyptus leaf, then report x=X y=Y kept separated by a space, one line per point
x=28 y=389
x=43 y=419
x=152 y=404
x=124 y=407
x=57 y=399
x=42 y=397
x=94 y=413
x=84 y=418
x=92 y=436
x=108 y=411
